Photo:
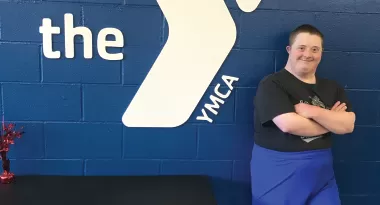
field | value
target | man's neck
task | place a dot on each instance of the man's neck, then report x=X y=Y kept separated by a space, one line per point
x=307 y=78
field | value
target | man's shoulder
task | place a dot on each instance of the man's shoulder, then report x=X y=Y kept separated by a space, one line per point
x=266 y=79
x=271 y=78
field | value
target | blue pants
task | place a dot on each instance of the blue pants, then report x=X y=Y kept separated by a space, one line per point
x=294 y=178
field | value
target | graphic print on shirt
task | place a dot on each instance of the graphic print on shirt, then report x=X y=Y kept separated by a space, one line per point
x=316 y=102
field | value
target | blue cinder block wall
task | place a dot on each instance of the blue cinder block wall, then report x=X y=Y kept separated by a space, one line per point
x=72 y=108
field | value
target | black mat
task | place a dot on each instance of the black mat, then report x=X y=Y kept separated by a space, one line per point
x=118 y=190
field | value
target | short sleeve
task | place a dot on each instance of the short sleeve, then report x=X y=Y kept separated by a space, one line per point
x=271 y=100
x=343 y=98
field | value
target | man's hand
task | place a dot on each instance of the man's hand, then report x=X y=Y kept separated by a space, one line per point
x=339 y=107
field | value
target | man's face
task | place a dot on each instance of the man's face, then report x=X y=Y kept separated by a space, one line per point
x=305 y=53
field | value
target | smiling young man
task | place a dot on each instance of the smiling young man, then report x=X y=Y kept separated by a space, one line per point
x=296 y=113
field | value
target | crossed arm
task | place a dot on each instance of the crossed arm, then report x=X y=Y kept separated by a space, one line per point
x=337 y=122
x=295 y=124
x=301 y=119
x=309 y=120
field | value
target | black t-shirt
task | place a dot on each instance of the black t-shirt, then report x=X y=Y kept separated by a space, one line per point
x=277 y=94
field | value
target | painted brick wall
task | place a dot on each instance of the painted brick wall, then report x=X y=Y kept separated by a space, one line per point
x=72 y=108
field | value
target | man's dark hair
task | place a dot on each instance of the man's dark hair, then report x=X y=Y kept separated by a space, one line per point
x=305 y=28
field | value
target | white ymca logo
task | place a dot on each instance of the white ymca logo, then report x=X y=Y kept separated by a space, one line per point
x=201 y=35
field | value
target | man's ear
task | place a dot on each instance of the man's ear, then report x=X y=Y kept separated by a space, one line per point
x=288 y=48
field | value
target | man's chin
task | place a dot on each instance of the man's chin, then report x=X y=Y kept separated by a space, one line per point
x=305 y=69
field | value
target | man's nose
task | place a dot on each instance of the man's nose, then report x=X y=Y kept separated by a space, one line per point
x=307 y=53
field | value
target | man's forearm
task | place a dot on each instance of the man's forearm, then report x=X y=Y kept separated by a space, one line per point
x=298 y=125
x=336 y=122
